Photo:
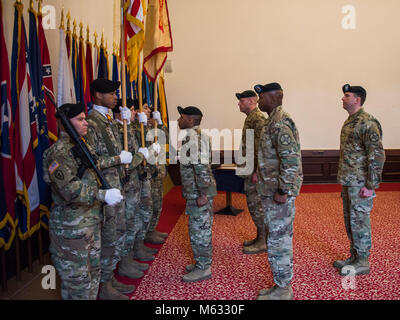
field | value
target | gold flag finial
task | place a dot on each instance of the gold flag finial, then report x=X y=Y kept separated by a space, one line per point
x=40 y=7
x=62 y=19
x=81 y=30
x=87 y=34
x=68 y=21
x=74 y=30
x=95 y=35
x=31 y=6
x=102 y=40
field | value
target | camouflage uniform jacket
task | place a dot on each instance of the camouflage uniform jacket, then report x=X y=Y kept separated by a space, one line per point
x=133 y=147
x=255 y=120
x=279 y=156
x=76 y=201
x=196 y=174
x=103 y=137
x=361 y=151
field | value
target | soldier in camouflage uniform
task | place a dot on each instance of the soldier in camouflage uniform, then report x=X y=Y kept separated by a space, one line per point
x=103 y=136
x=141 y=251
x=360 y=172
x=199 y=189
x=74 y=224
x=280 y=176
x=157 y=182
x=254 y=121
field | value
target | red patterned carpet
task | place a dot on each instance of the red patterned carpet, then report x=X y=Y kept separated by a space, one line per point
x=319 y=239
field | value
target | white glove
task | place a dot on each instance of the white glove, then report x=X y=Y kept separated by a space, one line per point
x=157 y=117
x=145 y=152
x=142 y=118
x=126 y=157
x=156 y=147
x=125 y=114
x=113 y=196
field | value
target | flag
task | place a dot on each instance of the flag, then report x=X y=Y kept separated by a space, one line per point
x=135 y=10
x=65 y=85
x=76 y=70
x=157 y=40
x=47 y=82
x=84 y=81
x=41 y=142
x=8 y=196
x=115 y=73
x=89 y=70
x=25 y=126
x=103 y=64
x=96 y=60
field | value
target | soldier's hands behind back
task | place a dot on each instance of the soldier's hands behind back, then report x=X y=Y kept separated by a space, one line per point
x=126 y=157
x=366 y=193
x=202 y=201
x=280 y=199
x=113 y=197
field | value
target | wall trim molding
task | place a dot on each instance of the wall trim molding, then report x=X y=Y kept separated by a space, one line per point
x=320 y=166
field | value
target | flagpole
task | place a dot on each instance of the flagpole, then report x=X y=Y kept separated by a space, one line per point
x=155 y=104
x=123 y=78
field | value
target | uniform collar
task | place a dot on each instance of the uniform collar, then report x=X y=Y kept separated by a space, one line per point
x=276 y=110
x=102 y=110
x=355 y=115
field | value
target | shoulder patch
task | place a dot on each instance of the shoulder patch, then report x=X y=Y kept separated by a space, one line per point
x=285 y=139
x=54 y=165
x=59 y=175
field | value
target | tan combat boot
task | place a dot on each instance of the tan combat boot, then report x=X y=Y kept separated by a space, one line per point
x=197 y=275
x=260 y=245
x=360 y=265
x=127 y=268
x=339 y=264
x=190 y=268
x=108 y=292
x=276 y=293
x=153 y=238
x=140 y=253
x=138 y=265
x=121 y=287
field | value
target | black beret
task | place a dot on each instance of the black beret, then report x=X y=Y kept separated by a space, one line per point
x=355 y=89
x=129 y=104
x=104 y=86
x=71 y=110
x=190 y=111
x=259 y=88
x=246 y=94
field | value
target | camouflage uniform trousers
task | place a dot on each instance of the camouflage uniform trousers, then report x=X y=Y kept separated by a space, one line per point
x=200 y=232
x=132 y=216
x=254 y=202
x=76 y=257
x=143 y=216
x=157 y=189
x=279 y=219
x=356 y=212
x=113 y=234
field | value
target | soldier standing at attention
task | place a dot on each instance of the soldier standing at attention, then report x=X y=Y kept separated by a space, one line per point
x=199 y=189
x=255 y=121
x=157 y=182
x=360 y=171
x=74 y=224
x=280 y=176
x=103 y=136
